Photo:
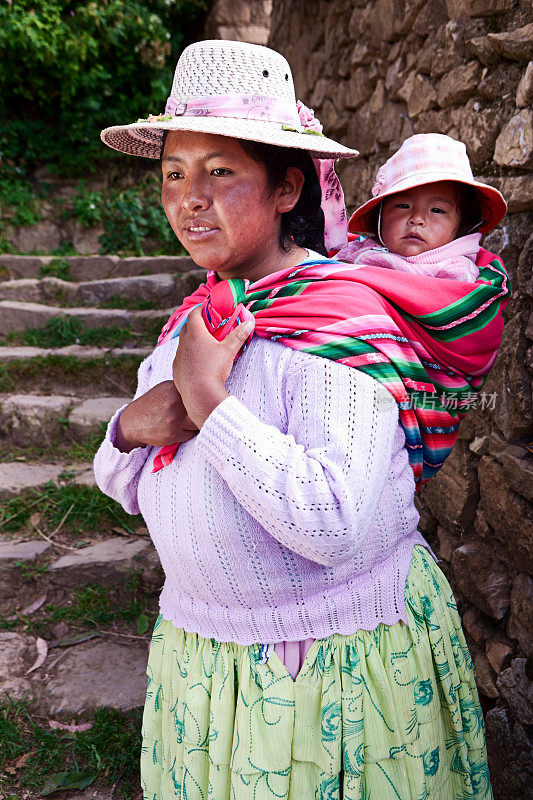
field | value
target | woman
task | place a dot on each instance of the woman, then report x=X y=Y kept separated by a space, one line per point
x=308 y=646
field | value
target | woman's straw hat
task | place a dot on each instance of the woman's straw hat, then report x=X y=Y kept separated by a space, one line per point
x=428 y=158
x=232 y=89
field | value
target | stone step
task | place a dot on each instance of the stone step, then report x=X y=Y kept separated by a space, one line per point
x=17 y=477
x=81 y=352
x=27 y=419
x=83 y=268
x=16 y=316
x=163 y=289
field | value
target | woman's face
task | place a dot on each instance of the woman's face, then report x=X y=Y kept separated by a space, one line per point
x=421 y=219
x=220 y=206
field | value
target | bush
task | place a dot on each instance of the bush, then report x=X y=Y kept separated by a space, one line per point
x=72 y=67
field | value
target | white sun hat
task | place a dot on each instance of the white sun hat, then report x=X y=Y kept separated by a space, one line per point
x=232 y=89
x=428 y=158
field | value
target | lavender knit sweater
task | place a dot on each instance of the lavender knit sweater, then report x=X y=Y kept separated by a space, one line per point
x=290 y=515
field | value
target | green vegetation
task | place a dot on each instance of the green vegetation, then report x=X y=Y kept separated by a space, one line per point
x=77 y=508
x=100 y=605
x=70 y=69
x=56 y=268
x=107 y=753
x=62 y=331
x=67 y=372
x=56 y=450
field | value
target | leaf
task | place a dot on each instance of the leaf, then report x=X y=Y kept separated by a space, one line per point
x=76 y=638
x=67 y=780
x=142 y=624
x=42 y=652
x=35 y=519
x=22 y=760
x=63 y=726
x=34 y=606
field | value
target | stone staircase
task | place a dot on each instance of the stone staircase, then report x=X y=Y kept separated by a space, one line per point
x=55 y=399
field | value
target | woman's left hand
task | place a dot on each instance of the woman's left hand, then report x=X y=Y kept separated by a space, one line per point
x=202 y=365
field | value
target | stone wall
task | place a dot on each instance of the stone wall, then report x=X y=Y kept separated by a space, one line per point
x=377 y=71
x=241 y=20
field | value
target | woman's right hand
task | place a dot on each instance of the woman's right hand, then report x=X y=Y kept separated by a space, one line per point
x=156 y=418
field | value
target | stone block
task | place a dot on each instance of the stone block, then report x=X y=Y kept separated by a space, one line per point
x=101 y=563
x=448 y=541
x=499 y=653
x=97 y=674
x=452 y=495
x=482 y=578
x=91 y=413
x=42 y=236
x=26 y=289
x=419 y=94
x=459 y=84
x=485 y=675
x=517 y=690
x=30 y=418
x=477 y=8
x=518 y=470
x=476 y=626
x=509 y=380
x=516 y=45
x=520 y=623
x=514 y=146
x=16 y=651
x=508 y=514
x=23 y=551
x=433 y=122
x=478 y=128
x=160 y=288
x=358 y=88
x=517 y=190
x=15 y=477
x=524 y=93
x=479 y=47
x=430 y=18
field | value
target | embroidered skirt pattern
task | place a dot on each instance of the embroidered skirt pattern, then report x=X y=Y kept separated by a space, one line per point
x=388 y=714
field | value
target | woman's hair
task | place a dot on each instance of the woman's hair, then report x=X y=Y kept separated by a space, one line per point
x=469 y=210
x=304 y=224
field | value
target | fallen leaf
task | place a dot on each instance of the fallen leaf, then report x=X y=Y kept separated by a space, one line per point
x=63 y=726
x=121 y=531
x=34 y=606
x=76 y=638
x=35 y=519
x=142 y=624
x=42 y=652
x=22 y=760
x=67 y=780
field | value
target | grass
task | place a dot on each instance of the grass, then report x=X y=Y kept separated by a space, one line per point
x=109 y=752
x=94 y=604
x=57 y=450
x=57 y=268
x=117 y=301
x=63 y=331
x=83 y=509
x=69 y=373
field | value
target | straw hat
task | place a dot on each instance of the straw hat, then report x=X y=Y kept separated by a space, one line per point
x=233 y=89
x=428 y=158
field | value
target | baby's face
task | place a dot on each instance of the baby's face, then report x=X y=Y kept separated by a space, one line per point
x=421 y=219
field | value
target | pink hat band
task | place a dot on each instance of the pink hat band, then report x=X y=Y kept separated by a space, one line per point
x=428 y=158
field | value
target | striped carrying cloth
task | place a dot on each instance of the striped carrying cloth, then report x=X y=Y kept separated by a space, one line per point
x=429 y=341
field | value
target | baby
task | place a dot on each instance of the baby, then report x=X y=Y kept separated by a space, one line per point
x=427 y=212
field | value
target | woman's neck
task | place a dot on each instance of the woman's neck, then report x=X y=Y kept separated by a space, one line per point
x=281 y=260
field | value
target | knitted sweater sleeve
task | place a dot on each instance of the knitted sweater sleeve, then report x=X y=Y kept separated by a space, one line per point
x=116 y=473
x=315 y=488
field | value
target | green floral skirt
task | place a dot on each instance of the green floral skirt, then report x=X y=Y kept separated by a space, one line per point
x=388 y=714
